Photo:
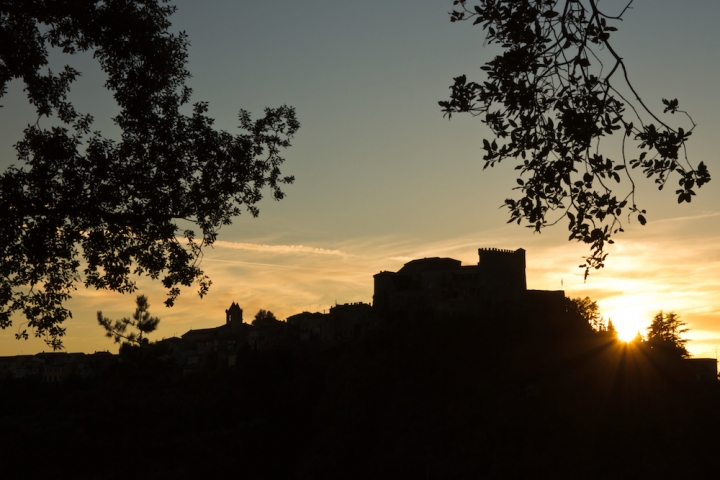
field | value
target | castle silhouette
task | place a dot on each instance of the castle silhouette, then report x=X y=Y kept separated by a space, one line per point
x=424 y=287
x=445 y=285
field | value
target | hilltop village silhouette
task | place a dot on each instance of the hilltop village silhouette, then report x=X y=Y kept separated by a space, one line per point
x=428 y=286
x=423 y=288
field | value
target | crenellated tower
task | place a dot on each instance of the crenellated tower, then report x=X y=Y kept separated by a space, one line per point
x=504 y=267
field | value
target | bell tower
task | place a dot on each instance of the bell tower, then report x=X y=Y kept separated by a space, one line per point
x=234 y=316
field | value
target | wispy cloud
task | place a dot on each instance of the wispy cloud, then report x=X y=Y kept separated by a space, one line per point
x=688 y=218
x=256 y=247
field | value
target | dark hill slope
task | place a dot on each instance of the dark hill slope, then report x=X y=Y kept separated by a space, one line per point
x=494 y=397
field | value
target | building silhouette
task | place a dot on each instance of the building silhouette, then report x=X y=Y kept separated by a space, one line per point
x=444 y=285
x=496 y=287
x=434 y=286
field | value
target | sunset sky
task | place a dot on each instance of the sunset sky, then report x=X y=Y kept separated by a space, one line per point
x=383 y=178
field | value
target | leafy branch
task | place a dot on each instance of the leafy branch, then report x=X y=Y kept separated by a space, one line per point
x=549 y=103
x=83 y=208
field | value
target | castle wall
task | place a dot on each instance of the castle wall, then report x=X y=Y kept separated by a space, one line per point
x=444 y=284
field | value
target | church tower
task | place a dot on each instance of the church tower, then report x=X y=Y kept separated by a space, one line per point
x=234 y=317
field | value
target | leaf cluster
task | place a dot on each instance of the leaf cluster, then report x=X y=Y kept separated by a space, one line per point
x=81 y=207
x=549 y=100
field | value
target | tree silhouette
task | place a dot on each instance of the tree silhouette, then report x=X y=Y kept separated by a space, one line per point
x=141 y=321
x=610 y=329
x=557 y=89
x=264 y=318
x=664 y=332
x=81 y=207
x=589 y=311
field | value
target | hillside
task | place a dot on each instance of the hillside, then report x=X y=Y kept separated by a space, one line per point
x=461 y=397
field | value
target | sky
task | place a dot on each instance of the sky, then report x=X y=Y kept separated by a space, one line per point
x=382 y=178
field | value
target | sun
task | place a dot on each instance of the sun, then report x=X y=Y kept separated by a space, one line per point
x=630 y=313
x=626 y=332
x=628 y=325
x=628 y=321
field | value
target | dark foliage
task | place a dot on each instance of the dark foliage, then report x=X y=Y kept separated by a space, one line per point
x=664 y=333
x=81 y=207
x=264 y=318
x=586 y=310
x=550 y=98
x=141 y=321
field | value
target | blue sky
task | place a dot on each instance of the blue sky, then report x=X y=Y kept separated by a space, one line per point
x=382 y=177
